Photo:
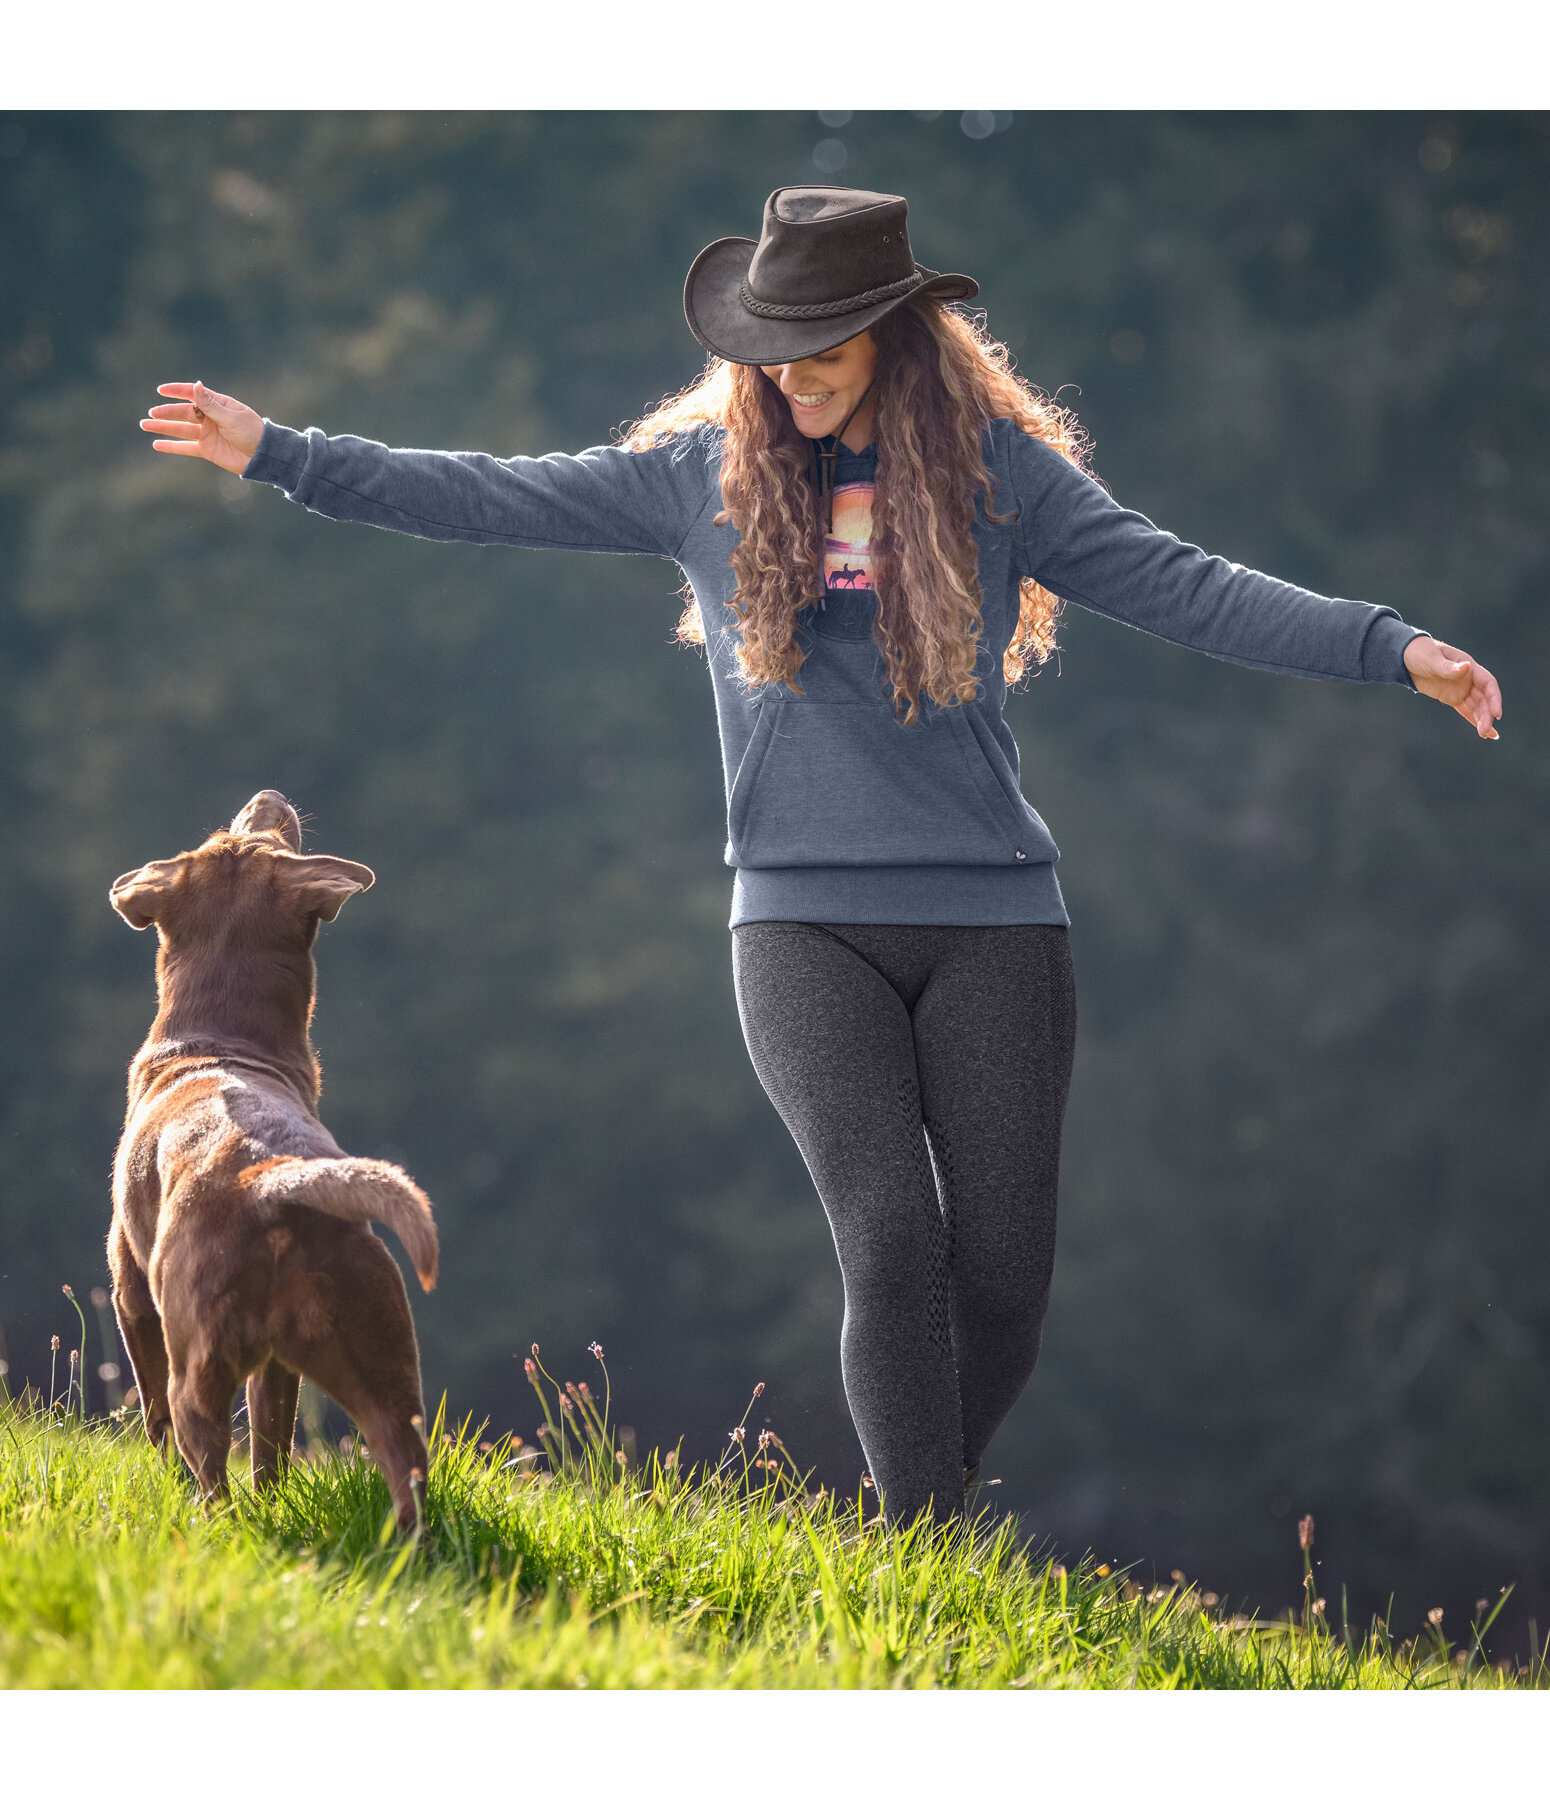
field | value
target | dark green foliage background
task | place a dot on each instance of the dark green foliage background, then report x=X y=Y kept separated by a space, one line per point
x=1303 y=1254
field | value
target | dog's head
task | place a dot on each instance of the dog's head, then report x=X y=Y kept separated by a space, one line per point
x=249 y=884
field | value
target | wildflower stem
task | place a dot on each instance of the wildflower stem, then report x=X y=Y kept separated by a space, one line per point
x=738 y=1430
x=1305 y=1541
x=532 y=1368
x=608 y=1392
x=1481 y=1626
x=69 y=1294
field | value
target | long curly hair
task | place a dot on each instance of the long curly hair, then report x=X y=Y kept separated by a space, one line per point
x=940 y=379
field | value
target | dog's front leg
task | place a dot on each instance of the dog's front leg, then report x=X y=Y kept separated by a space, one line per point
x=140 y=1326
x=272 y=1394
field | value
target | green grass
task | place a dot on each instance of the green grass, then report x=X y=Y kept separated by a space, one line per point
x=589 y=1574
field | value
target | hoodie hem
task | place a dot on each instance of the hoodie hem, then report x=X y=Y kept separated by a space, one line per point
x=938 y=894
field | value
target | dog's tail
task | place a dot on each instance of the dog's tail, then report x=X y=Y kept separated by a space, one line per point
x=354 y=1187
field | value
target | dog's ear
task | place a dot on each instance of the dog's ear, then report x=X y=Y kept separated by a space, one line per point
x=322 y=884
x=139 y=896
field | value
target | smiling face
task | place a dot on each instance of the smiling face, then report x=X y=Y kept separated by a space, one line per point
x=821 y=390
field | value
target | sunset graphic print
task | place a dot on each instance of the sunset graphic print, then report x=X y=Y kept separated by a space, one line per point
x=847 y=546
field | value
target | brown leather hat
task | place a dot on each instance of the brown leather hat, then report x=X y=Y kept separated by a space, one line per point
x=830 y=262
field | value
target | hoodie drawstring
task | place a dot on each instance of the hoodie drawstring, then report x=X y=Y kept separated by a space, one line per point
x=824 y=461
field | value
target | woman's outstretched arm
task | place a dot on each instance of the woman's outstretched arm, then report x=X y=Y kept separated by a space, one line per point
x=1082 y=545
x=606 y=498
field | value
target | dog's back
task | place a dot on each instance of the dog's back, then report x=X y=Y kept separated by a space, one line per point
x=219 y=1140
x=240 y=1240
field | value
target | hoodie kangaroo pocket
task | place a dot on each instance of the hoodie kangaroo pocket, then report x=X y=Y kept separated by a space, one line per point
x=842 y=785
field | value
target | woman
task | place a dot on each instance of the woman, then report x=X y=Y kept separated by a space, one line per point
x=876 y=518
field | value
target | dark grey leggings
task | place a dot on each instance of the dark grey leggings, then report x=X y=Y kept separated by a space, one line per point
x=922 y=1070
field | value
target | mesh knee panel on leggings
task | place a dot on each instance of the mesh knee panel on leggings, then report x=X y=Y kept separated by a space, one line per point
x=922 y=1071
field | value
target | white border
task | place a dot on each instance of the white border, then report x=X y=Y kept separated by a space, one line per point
x=475 y=55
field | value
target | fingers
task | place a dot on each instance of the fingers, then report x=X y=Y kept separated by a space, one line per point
x=174 y=427
x=207 y=397
x=1476 y=708
x=173 y=449
x=1483 y=701
x=196 y=396
x=1478 y=717
x=187 y=390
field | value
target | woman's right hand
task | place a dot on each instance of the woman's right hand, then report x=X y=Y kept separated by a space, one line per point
x=204 y=423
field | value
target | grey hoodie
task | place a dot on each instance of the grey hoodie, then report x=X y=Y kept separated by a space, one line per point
x=835 y=812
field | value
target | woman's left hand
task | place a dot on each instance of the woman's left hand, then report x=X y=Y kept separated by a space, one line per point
x=1456 y=680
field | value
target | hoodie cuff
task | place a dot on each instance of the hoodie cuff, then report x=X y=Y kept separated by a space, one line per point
x=1383 y=650
x=281 y=458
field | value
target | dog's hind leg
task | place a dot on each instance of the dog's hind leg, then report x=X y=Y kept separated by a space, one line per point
x=200 y=1393
x=140 y=1326
x=399 y=1451
x=272 y=1395
x=389 y=1416
x=368 y=1362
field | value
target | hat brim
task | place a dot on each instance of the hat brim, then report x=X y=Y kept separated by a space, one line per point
x=714 y=307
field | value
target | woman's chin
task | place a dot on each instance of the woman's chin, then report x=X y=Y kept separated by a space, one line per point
x=816 y=424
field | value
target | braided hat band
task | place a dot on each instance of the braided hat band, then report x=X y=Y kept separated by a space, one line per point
x=831 y=309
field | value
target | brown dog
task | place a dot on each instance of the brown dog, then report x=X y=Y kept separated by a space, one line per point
x=240 y=1244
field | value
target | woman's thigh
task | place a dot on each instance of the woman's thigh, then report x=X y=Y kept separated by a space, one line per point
x=833 y=1045
x=994 y=1035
